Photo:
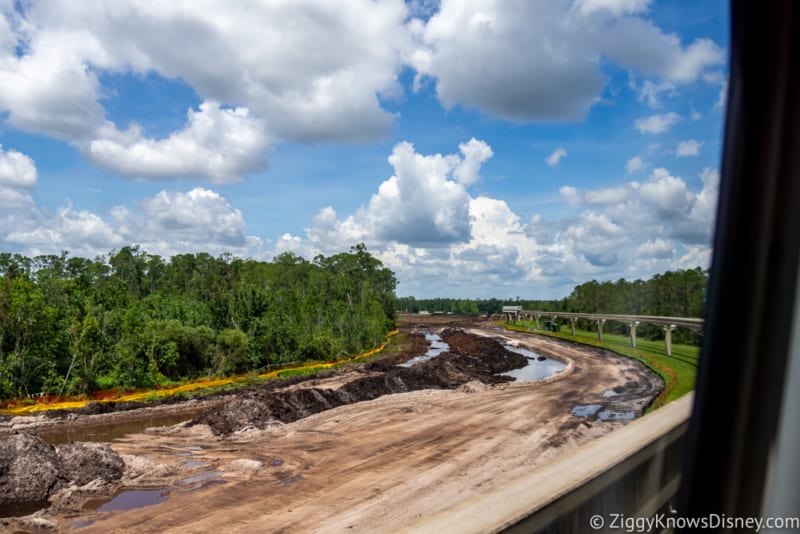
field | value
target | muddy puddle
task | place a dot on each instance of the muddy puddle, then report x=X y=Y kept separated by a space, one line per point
x=594 y=410
x=130 y=500
x=106 y=432
x=194 y=463
x=539 y=367
x=200 y=480
x=437 y=346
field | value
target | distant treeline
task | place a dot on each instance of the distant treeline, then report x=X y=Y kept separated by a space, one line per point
x=678 y=293
x=129 y=318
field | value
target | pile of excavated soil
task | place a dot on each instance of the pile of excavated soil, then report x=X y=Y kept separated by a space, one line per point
x=32 y=470
x=469 y=359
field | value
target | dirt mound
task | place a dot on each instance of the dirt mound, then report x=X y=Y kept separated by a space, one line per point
x=31 y=470
x=471 y=359
x=84 y=462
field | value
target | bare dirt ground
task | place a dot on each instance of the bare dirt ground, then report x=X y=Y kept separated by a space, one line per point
x=371 y=466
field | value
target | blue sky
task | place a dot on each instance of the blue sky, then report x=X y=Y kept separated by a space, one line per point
x=506 y=148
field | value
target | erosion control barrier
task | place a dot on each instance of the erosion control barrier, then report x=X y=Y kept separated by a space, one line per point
x=191 y=386
x=632 y=472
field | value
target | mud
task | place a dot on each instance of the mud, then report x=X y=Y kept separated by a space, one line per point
x=32 y=471
x=469 y=359
x=408 y=444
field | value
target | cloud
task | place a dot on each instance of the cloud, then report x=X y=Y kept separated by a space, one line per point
x=694 y=60
x=11 y=197
x=655 y=124
x=688 y=148
x=722 y=100
x=482 y=247
x=81 y=232
x=534 y=61
x=570 y=195
x=199 y=219
x=596 y=237
x=424 y=203
x=305 y=65
x=18 y=177
x=651 y=92
x=315 y=70
x=554 y=158
x=705 y=205
x=615 y=7
x=637 y=43
x=665 y=192
x=312 y=71
x=635 y=164
x=685 y=215
x=16 y=169
x=656 y=248
x=475 y=154
x=607 y=196
x=527 y=61
x=168 y=223
x=220 y=145
x=50 y=88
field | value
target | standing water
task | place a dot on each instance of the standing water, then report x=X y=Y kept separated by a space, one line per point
x=437 y=346
x=539 y=367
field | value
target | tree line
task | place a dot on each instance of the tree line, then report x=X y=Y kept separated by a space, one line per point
x=130 y=319
x=678 y=293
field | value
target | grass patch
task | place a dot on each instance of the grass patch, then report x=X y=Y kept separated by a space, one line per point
x=303 y=371
x=679 y=371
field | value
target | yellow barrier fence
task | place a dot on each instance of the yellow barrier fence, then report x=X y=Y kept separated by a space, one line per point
x=205 y=383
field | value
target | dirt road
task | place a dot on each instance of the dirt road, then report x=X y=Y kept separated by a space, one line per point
x=373 y=466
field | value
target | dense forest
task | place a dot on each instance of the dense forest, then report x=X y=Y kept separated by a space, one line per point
x=678 y=293
x=129 y=318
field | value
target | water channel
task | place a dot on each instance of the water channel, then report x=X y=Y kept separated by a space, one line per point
x=437 y=346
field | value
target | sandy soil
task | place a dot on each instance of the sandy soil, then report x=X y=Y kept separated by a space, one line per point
x=373 y=466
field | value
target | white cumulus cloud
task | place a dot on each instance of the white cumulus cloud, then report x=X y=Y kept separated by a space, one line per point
x=666 y=192
x=656 y=248
x=635 y=164
x=655 y=124
x=168 y=223
x=17 y=169
x=688 y=148
x=218 y=144
x=425 y=225
x=555 y=158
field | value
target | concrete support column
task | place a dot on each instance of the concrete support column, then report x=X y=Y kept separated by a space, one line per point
x=554 y=324
x=668 y=338
x=537 y=321
x=633 y=326
x=572 y=325
x=600 y=323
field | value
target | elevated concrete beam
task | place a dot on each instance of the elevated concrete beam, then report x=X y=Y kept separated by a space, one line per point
x=693 y=323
